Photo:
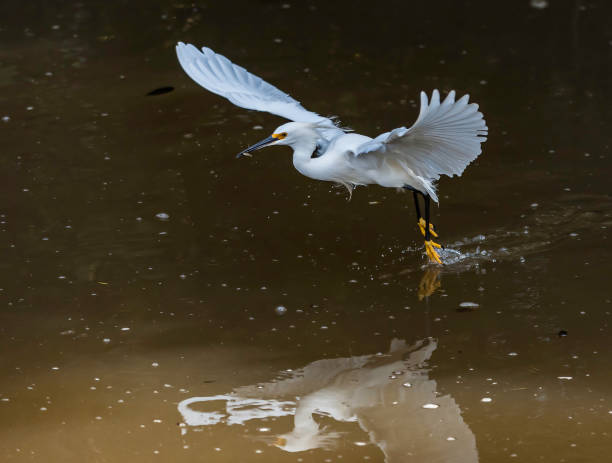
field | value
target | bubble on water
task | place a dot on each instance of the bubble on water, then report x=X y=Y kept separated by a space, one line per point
x=125 y=328
x=361 y=444
x=55 y=368
x=157 y=420
x=6 y=118
x=486 y=399
x=258 y=451
x=406 y=384
x=263 y=429
x=281 y=310
x=106 y=340
x=450 y=438
x=324 y=327
x=43 y=409
x=162 y=216
x=566 y=378
x=512 y=354
x=155 y=364
x=431 y=406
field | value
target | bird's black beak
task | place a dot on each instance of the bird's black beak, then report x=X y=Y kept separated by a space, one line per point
x=257 y=146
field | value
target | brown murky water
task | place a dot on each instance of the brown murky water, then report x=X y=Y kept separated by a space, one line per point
x=143 y=266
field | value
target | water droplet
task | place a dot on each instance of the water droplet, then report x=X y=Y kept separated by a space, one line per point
x=162 y=216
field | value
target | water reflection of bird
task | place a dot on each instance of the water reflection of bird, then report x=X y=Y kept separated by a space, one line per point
x=430 y=282
x=384 y=394
x=445 y=138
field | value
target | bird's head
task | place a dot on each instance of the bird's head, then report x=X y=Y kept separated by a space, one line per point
x=291 y=134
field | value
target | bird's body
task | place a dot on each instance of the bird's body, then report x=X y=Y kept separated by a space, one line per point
x=445 y=138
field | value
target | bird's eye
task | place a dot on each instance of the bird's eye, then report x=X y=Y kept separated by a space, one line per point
x=280 y=136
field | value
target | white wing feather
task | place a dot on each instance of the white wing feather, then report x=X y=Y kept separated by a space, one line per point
x=219 y=75
x=445 y=138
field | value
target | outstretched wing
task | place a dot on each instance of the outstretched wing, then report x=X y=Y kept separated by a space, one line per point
x=219 y=75
x=445 y=138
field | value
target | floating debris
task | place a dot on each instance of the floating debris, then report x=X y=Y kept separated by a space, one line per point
x=160 y=91
x=281 y=310
x=431 y=406
x=469 y=305
x=539 y=5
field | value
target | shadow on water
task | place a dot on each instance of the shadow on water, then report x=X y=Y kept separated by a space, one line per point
x=390 y=397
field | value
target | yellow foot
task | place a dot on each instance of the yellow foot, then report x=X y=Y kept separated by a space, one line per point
x=430 y=249
x=421 y=223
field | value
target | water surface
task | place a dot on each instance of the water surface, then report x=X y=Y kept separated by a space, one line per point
x=143 y=265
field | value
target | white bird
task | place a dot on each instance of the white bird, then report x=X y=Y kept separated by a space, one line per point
x=445 y=138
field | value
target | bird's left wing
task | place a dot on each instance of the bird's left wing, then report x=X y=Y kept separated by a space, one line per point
x=445 y=138
x=219 y=75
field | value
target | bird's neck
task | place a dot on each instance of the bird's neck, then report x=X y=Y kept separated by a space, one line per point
x=302 y=156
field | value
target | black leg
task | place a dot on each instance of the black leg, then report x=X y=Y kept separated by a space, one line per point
x=415 y=195
x=427 y=231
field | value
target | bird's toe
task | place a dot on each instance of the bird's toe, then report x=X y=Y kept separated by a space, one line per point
x=421 y=223
x=430 y=249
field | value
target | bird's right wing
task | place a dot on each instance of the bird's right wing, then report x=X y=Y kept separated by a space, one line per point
x=445 y=138
x=219 y=75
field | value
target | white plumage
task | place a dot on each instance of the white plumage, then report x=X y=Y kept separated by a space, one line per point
x=445 y=138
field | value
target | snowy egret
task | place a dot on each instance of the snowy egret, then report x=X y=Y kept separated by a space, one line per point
x=445 y=138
